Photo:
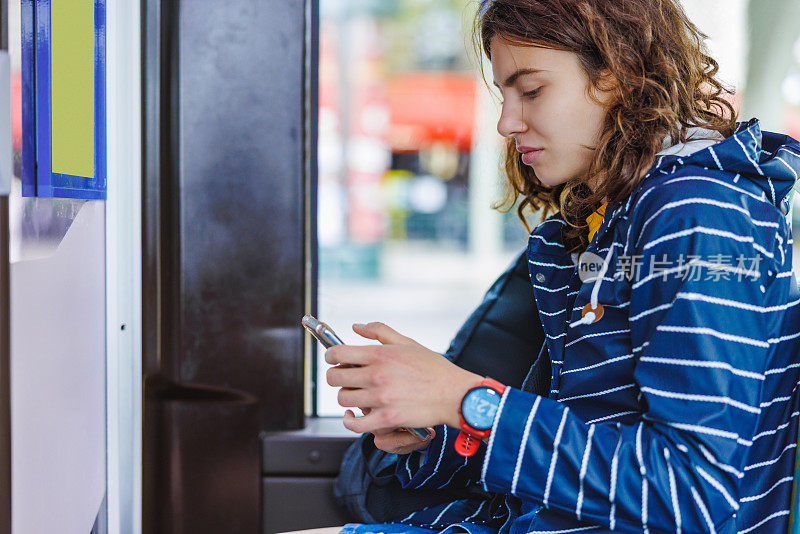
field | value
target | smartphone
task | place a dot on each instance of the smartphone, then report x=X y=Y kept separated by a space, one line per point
x=325 y=335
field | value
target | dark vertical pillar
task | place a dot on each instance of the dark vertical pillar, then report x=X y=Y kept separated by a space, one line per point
x=155 y=166
x=239 y=170
x=310 y=158
x=224 y=252
x=5 y=372
x=5 y=347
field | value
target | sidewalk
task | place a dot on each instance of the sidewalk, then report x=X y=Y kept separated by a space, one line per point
x=425 y=293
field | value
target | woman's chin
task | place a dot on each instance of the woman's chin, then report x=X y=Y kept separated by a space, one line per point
x=547 y=179
x=550 y=179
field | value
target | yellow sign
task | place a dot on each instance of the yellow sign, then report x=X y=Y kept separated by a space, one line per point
x=72 y=70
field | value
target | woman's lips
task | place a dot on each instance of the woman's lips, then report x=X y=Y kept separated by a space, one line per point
x=530 y=156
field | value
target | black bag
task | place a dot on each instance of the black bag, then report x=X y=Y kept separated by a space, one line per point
x=502 y=338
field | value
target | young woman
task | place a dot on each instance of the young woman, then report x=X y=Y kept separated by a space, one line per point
x=663 y=282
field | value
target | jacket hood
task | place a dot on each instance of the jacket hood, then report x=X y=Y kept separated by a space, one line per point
x=769 y=160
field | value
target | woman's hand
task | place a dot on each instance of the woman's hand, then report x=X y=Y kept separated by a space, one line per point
x=402 y=383
x=398 y=441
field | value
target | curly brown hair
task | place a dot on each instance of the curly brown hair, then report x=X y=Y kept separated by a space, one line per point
x=665 y=84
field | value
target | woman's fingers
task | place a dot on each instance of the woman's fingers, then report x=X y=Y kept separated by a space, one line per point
x=351 y=354
x=372 y=422
x=383 y=333
x=355 y=398
x=351 y=377
x=399 y=442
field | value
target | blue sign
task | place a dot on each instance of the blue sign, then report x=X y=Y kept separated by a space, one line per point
x=63 y=99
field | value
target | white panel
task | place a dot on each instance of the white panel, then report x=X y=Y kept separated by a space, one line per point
x=58 y=418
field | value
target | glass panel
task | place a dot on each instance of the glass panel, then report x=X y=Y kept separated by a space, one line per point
x=409 y=158
x=790 y=91
x=406 y=232
x=759 y=54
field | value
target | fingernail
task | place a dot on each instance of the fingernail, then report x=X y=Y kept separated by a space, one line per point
x=360 y=325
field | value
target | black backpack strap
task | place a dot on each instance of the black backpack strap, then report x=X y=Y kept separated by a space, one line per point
x=538 y=379
x=503 y=336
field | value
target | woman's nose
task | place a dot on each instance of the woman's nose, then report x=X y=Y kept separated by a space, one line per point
x=510 y=122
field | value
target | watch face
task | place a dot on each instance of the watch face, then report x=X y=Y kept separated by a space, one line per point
x=479 y=407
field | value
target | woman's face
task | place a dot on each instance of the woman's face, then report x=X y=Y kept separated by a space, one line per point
x=546 y=106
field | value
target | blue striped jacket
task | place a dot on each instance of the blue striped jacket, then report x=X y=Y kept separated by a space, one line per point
x=674 y=411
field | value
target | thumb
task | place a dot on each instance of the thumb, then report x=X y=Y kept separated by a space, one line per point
x=383 y=333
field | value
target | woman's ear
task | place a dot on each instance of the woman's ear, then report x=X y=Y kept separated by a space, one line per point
x=606 y=90
x=608 y=81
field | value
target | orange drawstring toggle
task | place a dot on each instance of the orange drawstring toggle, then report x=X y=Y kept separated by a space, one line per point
x=598 y=312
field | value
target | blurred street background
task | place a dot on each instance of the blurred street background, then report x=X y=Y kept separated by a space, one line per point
x=410 y=159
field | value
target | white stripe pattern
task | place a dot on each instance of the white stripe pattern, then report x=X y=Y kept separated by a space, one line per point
x=611 y=416
x=551 y=265
x=584 y=467
x=492 y=435
x=439 y=459
x=725 y=467
x=702 y=330
x=554 y=457
x=715 y=181
x=522 y=444
x=703 y=363
x=703 y=510
x=563 y=531
x=702 y=398
x=773 y=460
x=784 y=480
x=599 y=393
x=719 y=487
x=689 y=295
x=768 y=518
x=587 y=336
x=643 y=472
x=673 y=492
x=478 y=511
x=600 y=364
x=775 y=430
x=612 y=491
x=689 y=201
x=466 y=461
x=747 y=154
x=699 y=230
x=438 y=517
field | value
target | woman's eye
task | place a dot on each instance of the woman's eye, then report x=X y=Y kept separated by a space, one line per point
x=529 y=94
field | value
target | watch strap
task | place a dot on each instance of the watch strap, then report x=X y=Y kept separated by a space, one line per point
x=469 y=439
x=466 y=444
x=492 y=383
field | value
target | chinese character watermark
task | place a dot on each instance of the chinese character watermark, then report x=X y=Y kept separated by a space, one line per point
x=685 y=267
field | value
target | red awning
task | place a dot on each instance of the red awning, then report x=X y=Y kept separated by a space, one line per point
x=431 y=107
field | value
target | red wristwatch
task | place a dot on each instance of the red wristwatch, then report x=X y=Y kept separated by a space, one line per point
x=478 y=409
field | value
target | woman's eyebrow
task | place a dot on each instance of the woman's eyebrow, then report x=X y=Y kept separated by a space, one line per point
x=520 y=72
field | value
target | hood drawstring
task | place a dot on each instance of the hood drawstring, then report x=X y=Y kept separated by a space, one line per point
x=594 y=311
